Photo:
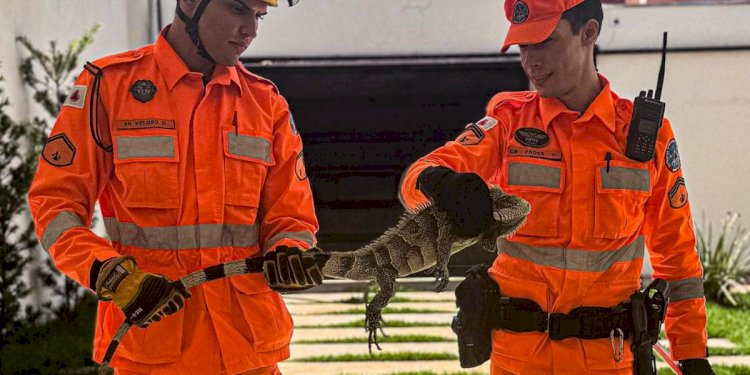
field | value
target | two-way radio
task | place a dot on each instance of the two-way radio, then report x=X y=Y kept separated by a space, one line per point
x=648 y=114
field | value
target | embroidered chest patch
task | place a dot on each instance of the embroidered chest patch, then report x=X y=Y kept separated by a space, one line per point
x=531 y=137
x=143 y=90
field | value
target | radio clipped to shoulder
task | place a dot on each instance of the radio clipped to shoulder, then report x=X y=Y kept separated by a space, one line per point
x=648 y=114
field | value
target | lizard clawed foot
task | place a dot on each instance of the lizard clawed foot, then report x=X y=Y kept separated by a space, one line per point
x=373 y=319
x=442 y=277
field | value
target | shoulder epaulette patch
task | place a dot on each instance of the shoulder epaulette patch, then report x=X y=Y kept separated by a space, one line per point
x=258 y=78
x=121 y=58
x=513 y=98
x=624 y=108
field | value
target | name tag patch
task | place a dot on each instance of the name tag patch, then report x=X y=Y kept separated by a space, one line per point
x=144 y=124
x=541 y=154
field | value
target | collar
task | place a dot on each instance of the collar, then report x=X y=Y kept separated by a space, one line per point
x=173 y=68
x=603 y=107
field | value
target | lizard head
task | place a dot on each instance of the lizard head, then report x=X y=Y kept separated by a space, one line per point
x=509 y=212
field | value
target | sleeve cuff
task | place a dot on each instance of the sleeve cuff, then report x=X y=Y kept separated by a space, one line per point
x=688 y=351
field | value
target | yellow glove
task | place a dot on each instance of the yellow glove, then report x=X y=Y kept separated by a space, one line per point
x=143 y=297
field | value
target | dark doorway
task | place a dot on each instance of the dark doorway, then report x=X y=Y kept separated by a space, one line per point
x=363 y=122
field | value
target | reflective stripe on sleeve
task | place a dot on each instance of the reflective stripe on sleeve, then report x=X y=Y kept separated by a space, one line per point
x=249 y=147
x=625 y=178
x=158 y=146
x=686 y=289
x=62 y=222
x=305 y=237
x=182 y=237
x=525 y=174
x=573 y=259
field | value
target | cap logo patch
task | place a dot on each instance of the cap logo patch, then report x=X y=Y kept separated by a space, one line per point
x=531 y=137
x=520 y=12
x=143 y=90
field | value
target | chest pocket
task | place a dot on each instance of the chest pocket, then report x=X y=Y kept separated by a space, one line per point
x=541 y=183
x=147 y=166
x=246 y=162
x=621 y=194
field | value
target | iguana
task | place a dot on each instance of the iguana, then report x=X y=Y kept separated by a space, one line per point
x=422 y=239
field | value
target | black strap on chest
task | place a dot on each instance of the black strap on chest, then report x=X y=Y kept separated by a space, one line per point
x=191 y=27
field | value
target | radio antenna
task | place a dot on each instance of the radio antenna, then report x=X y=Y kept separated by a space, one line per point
x=660 y=82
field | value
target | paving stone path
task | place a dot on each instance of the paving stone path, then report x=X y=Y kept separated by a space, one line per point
x=310 y=309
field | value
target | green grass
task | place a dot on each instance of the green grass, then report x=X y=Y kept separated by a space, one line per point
x=389 y=324
x=387 y=310
x=728 y=351
x=436 y=373
x=378 y=357
x=729 y=323
x=363 y=340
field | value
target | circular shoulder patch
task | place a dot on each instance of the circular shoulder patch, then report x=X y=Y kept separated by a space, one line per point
x=672 y=157
x=59 y=151
x=520 y=12
x=531 y=137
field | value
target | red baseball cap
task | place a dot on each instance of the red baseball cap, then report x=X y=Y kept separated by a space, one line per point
x=532 y=21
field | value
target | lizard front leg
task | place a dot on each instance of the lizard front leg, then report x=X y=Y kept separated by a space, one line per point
x=386 y=279
x=443 y=248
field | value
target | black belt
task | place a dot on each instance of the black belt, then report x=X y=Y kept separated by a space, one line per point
x=523 y=315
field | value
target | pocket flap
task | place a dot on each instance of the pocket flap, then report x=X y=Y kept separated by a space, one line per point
x=151 y=147
x=251 y=148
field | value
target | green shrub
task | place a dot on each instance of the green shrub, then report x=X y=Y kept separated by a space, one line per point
x=726 y=262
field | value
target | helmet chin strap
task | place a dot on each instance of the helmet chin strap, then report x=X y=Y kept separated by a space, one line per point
x=191 y=27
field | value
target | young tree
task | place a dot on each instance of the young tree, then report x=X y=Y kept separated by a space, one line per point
x=20 y=145
x=49 y=75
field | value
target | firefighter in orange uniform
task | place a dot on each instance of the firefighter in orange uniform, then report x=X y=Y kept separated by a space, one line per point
x=594 y=210
x=194 y=161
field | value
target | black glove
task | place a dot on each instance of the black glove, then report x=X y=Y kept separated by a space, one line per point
x=464 y=196
x=290 y=269
x=143 y=297
x=696 y=367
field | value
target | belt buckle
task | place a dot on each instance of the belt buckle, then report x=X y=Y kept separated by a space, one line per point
x=553 y=326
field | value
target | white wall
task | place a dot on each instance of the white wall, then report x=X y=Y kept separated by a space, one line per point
x=709 y=106
x=124 y=26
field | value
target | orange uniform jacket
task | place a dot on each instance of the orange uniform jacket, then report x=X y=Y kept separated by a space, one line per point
x=593 y=210
x=197 y=175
